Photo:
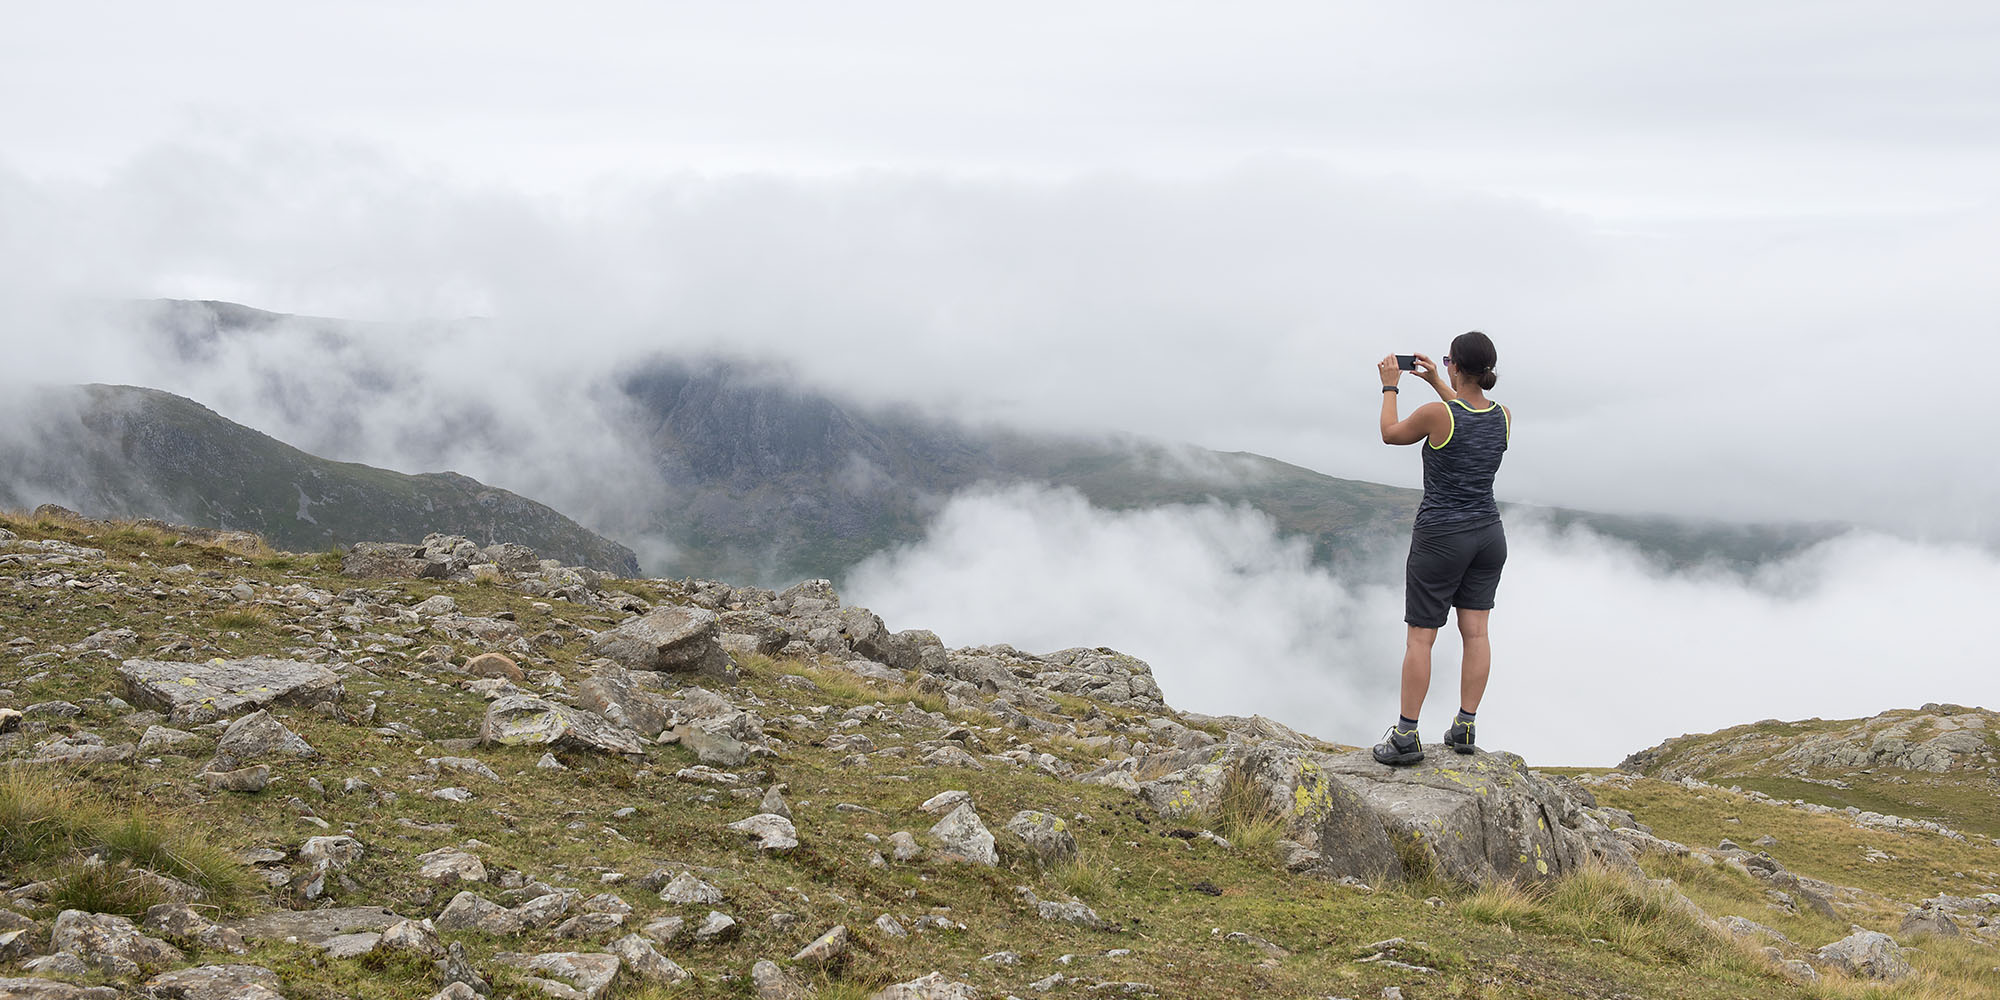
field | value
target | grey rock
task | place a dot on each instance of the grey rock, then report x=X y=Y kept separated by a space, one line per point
x=771 y=832
x=1930 y=921
x=331 y=853
x=770 y=982
x=944 y=802
x=63 y=963
x=629 y=699
x=664 y=930
x=527 y=720
x=686 y=888
x=248 y=780
x=314 y=926
x=904 y=846
x=417 y=936
x=205 y=692
x=544 y=909
x=584 y=974
x=713 y=744
x=1746 y=928
x=255 y=737
x=668 y=639
x=1068 y=913
x=774 y=801
x=1046 y=836
x=456 y=991
x=162 y=740
x=111 y=944
x=351 y=945
x=716 y=927
x=890 y=926
x=32 y=988
x=450 y=866
x=1866 y=955
x=960 y=836
x=216 y=982
x=930 y=987
x=637 y=953
x=470 y=911
x=825 y=949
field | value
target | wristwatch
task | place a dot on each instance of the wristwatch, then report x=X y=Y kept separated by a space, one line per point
x=1390 y=388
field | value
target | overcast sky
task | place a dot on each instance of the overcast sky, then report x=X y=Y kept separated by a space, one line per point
x=1738 y=258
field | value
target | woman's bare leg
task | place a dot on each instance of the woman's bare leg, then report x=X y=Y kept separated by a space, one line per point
x=1417 y=669
x=1478 y=660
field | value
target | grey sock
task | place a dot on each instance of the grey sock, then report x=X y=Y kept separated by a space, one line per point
x=1463 y=718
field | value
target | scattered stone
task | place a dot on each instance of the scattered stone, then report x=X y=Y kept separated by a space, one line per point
x=628 y=698
x=524 y=719
x=686 y=888
x=331 y=853
x=314 y=926
x=638 y=954
x=31 y=988
x=771 y=983
x=931 y=987
x=664 y=929
x=450 y=865
x=470 y=911
x=548 y=762
x=257 y=736
x=252 y=779
x=590 y=925
x=891 y=926
x=162 y=740
x=110 y=944
x=825 y=949
x=456 y=991
x=1867 y=955
x=544 y=909
x=668 y=639
x=1068 y=913
x=417 y=936
x=774 y=801
x=1931 y=921
x=351 y=945
x=944 y=802
x=962 y=837
x=772 y=832
x=585 y=975
x=715 y=927
x=903 y=846
x=1047 y=836
x=216 y=982
x=497 y=666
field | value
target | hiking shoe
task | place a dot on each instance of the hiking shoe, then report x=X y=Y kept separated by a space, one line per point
x=1459 y=736
x=1399 y=747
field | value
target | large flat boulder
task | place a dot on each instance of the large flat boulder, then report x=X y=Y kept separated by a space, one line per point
x=204 y=692
x=521 y=719
x=313 y=926
x=1482 y=817
x=1322 y=811
x=668 y=639
x=632 y=699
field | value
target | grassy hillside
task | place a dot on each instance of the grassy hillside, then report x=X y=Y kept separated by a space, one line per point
x=120 y=451
x=1185 y=915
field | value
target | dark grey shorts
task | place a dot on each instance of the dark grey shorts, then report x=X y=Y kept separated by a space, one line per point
x=1458 y=569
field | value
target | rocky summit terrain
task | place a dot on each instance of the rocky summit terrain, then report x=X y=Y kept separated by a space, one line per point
x=448 y=769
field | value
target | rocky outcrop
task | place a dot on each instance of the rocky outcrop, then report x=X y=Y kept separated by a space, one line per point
x=521 y=719
x=1935 y=738
x=671 y=639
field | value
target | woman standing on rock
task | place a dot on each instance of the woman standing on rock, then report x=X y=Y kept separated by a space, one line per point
x=1457 y=545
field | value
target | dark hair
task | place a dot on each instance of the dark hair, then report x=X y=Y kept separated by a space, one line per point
x=1473 y=355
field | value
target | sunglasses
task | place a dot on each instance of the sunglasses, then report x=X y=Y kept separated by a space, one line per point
x=1447 y=359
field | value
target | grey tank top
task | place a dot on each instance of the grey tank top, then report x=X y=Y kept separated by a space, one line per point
x=1458 y=474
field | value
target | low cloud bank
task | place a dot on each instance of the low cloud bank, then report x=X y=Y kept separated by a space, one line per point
x=1598 y=652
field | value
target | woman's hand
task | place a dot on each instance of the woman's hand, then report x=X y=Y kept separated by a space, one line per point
x=1391 y=374
x=1429 y=372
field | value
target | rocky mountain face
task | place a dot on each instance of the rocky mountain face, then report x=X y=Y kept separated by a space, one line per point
x=449 y=770
x=1934 y=739
x=125 y=452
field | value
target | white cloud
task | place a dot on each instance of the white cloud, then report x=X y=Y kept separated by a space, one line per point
x=1597 y=652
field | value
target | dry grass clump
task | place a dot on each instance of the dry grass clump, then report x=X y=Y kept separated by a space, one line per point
x=239 y=619
x=106 y=860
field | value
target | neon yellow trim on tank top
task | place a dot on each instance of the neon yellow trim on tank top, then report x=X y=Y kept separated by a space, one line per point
x=1510 y=424
x=1469 y=409
x=1453 y=429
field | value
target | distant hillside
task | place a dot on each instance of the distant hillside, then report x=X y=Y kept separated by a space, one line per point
x=1938 y=762
x=120 y=451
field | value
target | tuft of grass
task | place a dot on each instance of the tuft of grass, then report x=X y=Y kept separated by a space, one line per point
x=101 y=887
x=238 y=619
x=1246 y=816
x=170 y=847
x=488 y=577
x=41 y=818
x=1086 y=875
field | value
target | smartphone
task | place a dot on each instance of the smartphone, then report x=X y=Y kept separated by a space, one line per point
x=1407 y=362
